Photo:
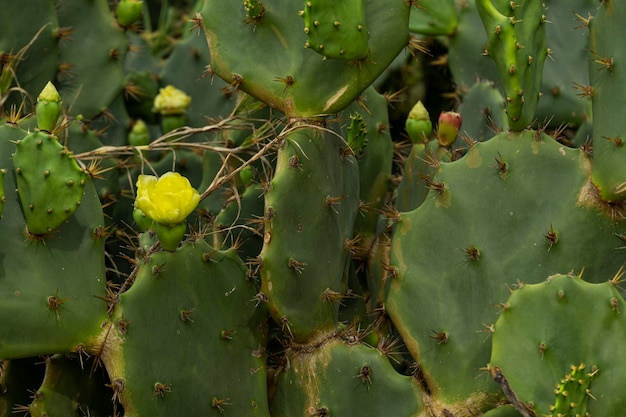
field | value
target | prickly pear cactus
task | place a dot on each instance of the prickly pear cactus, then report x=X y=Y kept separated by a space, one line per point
x=201 y=303
x=312 y=202
x=296 y=80
x=50 y=183
x=369 y=288
x=51 y=298
x=607 y=86
x=330 y=379
x=517 y=42
x=573 y=376
x=491 y=218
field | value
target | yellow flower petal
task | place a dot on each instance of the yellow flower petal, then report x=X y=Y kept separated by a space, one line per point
x=171 y=100
x=167 y=200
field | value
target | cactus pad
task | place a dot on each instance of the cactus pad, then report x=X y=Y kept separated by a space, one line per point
x=517 y=43
x=49 y=285
x=310 y=209
x=516 y=207
x=49 y=182
x=608 y=80
x=331 y=379
x=268 y=59
x=336 y=29
x=193 y=305
x=571 y=375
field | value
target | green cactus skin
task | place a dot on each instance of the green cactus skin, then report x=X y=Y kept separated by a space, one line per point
x=375 y=163
x=310 y=209
x=517 y=206
x=336 y=29
x=38 y=59
x=419 y=168
x=51 y=299
x=196 y=304
x=375 y=172
x=608 y=78
x=572 y=392
x=466 y=48
x=561 y=102
x=517 y=43
x=49 y=182
x=537 y=336
x=296 y=80
x=434 y=18
x=331 y=379
x=92 y=59
x=483 y=111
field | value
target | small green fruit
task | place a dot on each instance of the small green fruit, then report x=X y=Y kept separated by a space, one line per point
x=418 y=124
x=128 y=12
x=48 y=108
x=170 y=236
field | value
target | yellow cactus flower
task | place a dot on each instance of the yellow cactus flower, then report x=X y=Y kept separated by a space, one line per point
x=167 y=200
x=171 y=100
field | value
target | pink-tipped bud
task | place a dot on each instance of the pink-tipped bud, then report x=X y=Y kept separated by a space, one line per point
x=449 y=126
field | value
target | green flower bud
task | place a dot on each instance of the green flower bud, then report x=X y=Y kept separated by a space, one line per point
x=170 y=236
x=139 y=134
x=48 y=108
x=128 y=12
x=449 y=126
x=418 y=124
